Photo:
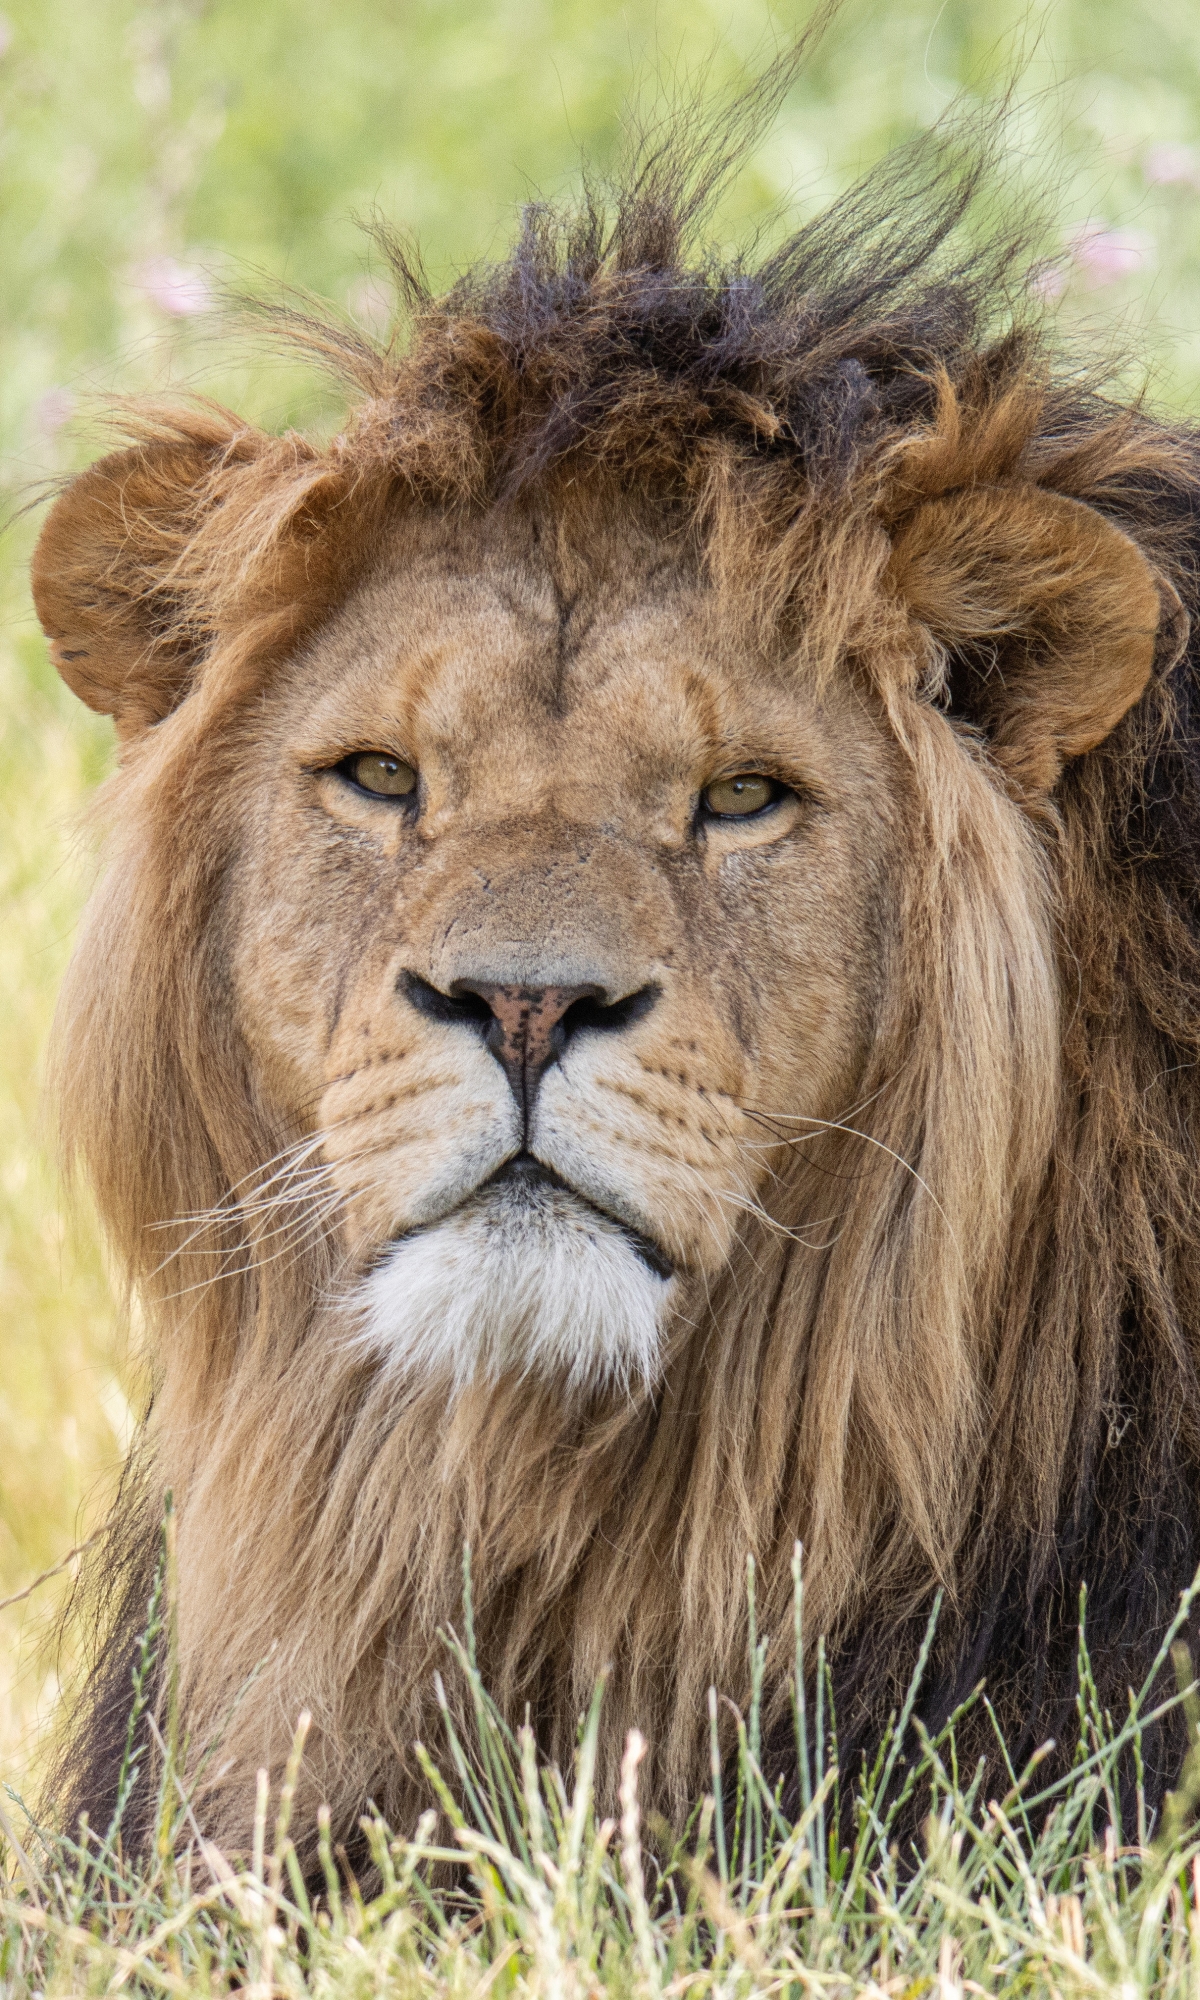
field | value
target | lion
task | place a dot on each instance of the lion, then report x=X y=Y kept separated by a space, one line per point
x=643 y=1007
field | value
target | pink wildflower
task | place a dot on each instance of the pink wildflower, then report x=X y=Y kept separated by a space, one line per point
x=178 y=289
x=52 y=410
x=1170 y=164
x=1102 y=255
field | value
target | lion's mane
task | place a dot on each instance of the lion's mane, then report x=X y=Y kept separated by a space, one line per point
x=988 y=1382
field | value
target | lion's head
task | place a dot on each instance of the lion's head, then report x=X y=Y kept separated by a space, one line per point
x=620 y=1025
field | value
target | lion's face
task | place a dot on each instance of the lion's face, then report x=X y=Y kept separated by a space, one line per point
x=553 y=998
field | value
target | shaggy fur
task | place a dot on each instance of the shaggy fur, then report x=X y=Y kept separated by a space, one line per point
x=943 y=1326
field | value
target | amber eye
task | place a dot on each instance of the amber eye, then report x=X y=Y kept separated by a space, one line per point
x=737 y=798
x=387 y=777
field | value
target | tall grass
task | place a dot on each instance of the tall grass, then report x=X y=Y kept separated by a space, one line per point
x=512 y=1881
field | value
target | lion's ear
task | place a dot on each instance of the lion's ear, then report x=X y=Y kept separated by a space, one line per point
x=1052 y=619
x=109 y=577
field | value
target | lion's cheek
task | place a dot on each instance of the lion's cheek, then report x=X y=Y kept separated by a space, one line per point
x=285 y=999
x=409 y=1131
x=292 y=975
x=654 y=1147
x=809 y=1068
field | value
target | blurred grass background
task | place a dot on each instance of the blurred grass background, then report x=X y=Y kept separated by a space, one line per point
x=150 y=152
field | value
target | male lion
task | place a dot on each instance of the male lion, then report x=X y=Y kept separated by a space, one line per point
x=643 y=1006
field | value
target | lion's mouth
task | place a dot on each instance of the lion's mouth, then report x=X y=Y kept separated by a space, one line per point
x=529 y=1181
x=526 y=1173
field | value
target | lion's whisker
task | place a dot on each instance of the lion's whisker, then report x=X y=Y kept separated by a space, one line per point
x=750 y=1206
x=868 y=1138
x=308 y=1226
x=253 y=1263
x=232 y=1211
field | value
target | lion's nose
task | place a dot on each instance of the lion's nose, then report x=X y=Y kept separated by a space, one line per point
x=529 y=1028
x=526 y=1027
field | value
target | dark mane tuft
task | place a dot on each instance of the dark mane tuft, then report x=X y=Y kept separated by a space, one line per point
x=612 y=332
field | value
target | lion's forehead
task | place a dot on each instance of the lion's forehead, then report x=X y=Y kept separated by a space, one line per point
x=502 y=681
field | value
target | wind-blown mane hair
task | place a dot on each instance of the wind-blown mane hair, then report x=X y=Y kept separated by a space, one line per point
x=987 y=1382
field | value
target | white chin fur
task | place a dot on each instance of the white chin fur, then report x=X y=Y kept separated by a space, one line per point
x=520 y=1280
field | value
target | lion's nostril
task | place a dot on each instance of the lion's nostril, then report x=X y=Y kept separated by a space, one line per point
x=610 y=1016
x=467 y=1006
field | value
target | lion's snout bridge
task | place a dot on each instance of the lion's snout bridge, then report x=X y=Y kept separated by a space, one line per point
x=527 y=1026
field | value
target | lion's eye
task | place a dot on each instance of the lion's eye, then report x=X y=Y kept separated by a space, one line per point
x=387 y=777
x=737 y=798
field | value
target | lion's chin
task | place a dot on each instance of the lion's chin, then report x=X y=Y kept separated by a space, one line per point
x=525 y=1278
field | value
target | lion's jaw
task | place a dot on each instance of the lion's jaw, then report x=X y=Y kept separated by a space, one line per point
x=556 y=844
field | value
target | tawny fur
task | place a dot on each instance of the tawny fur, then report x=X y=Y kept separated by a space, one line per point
x=950 y=1337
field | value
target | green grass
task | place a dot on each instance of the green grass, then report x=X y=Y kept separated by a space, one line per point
x=511 y=1882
